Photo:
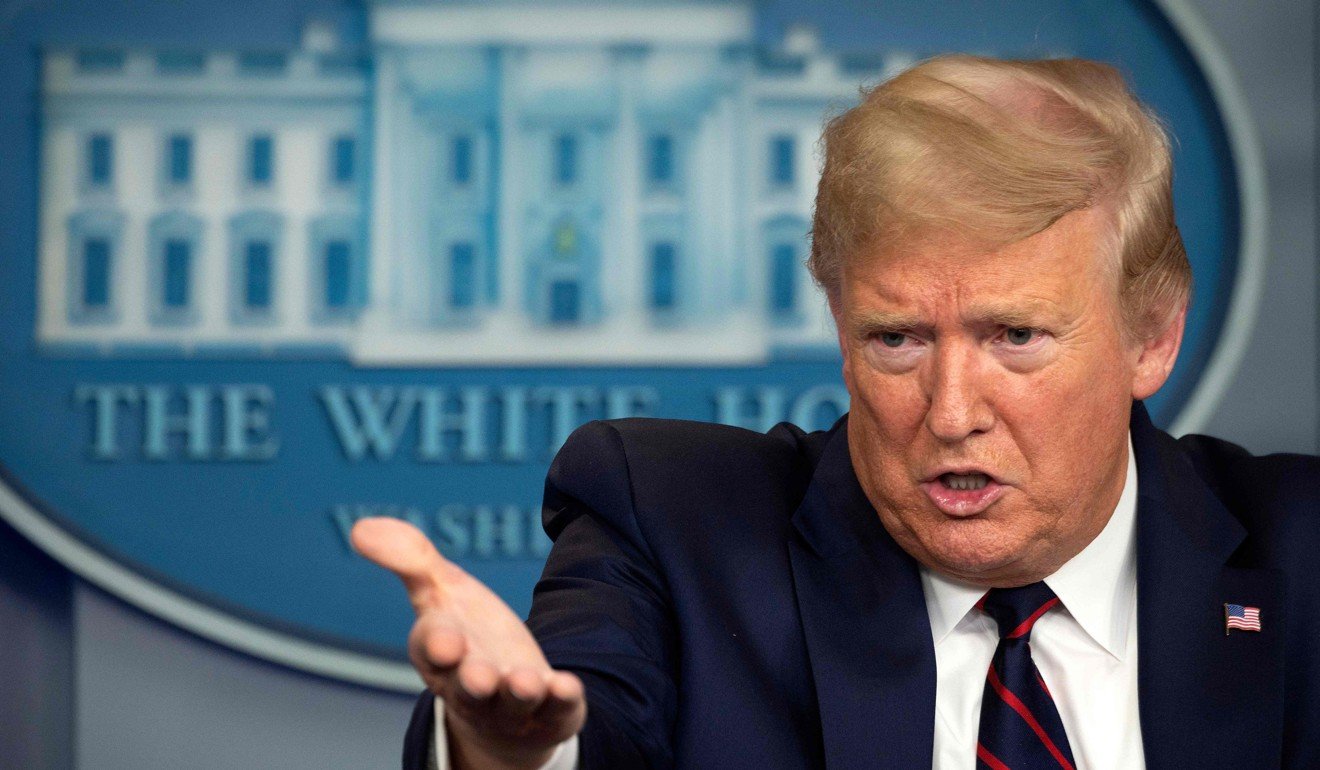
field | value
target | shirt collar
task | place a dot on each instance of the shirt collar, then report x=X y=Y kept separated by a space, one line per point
x=1098 y=586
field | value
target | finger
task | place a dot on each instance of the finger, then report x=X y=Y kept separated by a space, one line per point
x=564 y=687
x=478 y=682
x=564 y=709
x=521 y=692
x=402 y=549
x=434 y=646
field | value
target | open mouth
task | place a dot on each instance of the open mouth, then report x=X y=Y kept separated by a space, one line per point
x=963 y=493
x=964 y=481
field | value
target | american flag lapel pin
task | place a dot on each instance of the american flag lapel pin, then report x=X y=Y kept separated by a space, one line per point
x=1241 y=617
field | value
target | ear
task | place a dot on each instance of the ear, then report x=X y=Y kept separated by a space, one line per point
x=1156 y=357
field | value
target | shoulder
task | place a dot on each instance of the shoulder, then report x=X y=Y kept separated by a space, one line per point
x=643 y=465
x=689 y=449
x=677 y=441
x=1249 y=484
x=1275 y=497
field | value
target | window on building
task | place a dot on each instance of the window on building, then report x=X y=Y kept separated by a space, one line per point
x=261 y=160
x=174 y=238
x=783 y=279
x=257 y=267
x=565 y=302
x=664 y=269
x=176 y=285
x=96 y=274
x=100 y=160
x=180 y=63
x=462 y=276
x=340 y=65
x=93 y=246
x=782 y=160
x=179 y=152
x=461 y=170
x=262 y=63
x=565 y=242
x=660 y=159
x=338 y=275
x=343 y=160
x=99 y=60
x=254 y=254
x=566 y=159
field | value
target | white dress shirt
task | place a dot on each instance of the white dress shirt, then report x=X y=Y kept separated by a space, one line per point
x=1085 y=649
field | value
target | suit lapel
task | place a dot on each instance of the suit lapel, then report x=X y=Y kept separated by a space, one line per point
x=865 y=622
x=1206 y=699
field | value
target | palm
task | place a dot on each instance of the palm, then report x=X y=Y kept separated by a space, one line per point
x=505 y=706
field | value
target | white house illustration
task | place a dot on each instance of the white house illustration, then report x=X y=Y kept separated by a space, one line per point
x=486 y=183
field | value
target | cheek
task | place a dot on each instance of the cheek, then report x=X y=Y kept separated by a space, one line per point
x=884 y=430
x=1082 y=380
x=891 y=405
x=1066 y=423
x=1100 y=393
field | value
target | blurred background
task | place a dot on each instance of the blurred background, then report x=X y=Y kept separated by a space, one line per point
x=269 y=267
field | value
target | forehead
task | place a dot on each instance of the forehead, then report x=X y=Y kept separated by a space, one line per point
x=933 y=272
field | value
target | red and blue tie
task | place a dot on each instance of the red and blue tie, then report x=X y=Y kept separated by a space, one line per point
x=1020 y=726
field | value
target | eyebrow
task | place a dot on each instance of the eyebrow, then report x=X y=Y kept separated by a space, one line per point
x=1034 y=314
x=1025 y=314
x=879 y=322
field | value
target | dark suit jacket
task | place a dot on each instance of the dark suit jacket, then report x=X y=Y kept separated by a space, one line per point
x=731 y=600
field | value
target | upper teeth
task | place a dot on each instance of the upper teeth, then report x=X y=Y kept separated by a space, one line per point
x=966 y=481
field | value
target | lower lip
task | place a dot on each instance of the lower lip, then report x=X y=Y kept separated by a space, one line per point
x=961 y=503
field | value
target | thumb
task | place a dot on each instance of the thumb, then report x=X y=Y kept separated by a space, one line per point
x=402 y=549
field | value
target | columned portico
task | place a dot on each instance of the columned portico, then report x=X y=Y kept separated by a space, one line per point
x=507 y=184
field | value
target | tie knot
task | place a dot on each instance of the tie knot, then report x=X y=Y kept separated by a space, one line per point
x=1016 y=610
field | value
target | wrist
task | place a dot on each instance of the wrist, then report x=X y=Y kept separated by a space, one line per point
x=471 y=750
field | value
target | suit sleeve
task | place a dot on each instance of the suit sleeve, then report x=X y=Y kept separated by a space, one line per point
x=417 y=741
x=602 y=608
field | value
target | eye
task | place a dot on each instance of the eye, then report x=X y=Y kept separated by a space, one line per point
x=1019 y=335
x=893 y=339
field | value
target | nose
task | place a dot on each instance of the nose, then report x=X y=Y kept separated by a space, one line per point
x=956 y=393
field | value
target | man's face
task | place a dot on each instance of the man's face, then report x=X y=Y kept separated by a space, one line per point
x=991 y=390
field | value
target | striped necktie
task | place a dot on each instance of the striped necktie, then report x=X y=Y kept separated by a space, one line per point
x=1020 y=726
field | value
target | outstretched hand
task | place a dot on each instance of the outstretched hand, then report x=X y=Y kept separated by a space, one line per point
x=505 y=707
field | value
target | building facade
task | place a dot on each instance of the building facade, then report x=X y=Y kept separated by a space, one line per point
x=482 y=184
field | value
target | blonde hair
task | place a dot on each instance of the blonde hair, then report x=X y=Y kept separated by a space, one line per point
x=1000 y=150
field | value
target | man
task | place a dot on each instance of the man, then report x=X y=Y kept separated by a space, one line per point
x=994 y=560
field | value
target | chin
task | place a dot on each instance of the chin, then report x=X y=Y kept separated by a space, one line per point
x=973 y=550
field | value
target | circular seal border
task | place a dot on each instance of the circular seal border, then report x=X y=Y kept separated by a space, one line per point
x=1244 y=143
x=325 y=660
